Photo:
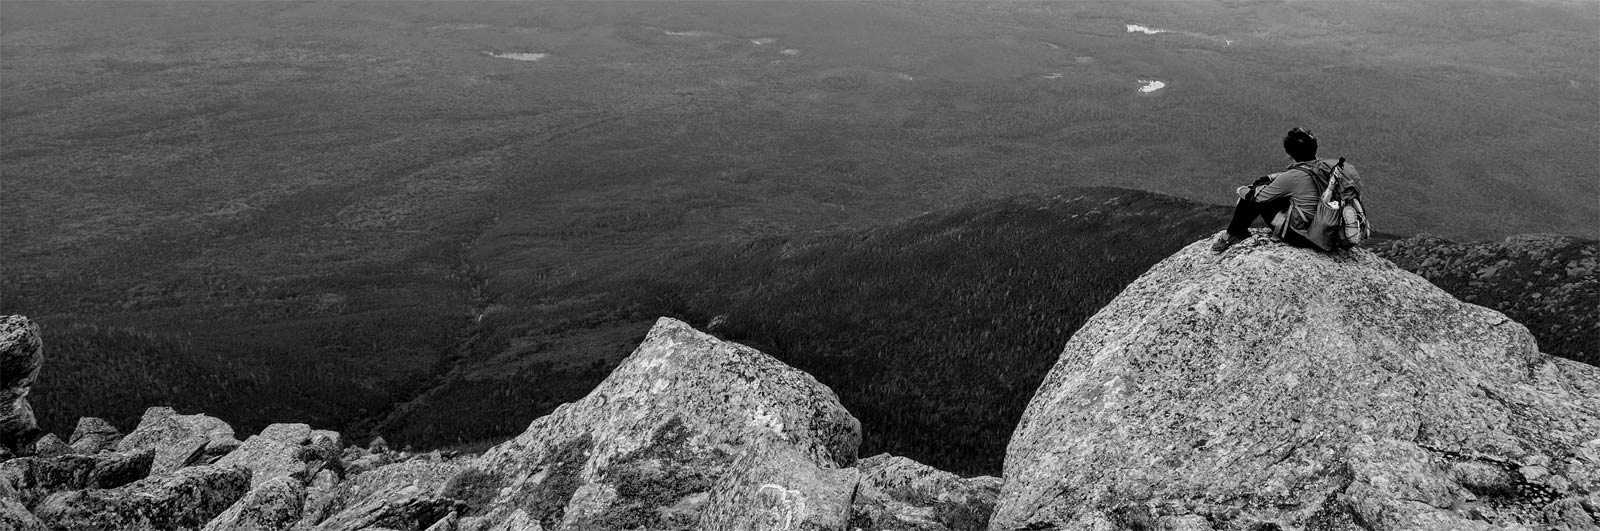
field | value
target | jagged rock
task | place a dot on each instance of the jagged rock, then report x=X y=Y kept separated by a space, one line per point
x=357 y=460
x=284 y=450
x=328 y=446
x=899 y=494
x=14 y=516
x=94 y=435
x=378 y=446
x=273 y=505
x=658 y=433
x=179 y=440
x=775 y=486
x=1273 y=387
x=319 y=496
x=31 y=479
x=21 y=354
x=401 y=496
x=183 y=500
x=49 y=445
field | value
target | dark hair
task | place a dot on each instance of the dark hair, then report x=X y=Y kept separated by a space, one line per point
x=1300 y=144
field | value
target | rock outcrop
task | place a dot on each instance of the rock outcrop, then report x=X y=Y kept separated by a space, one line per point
x=274 y=505
x=775 y=486
x=31 y=479
x=285 y=450
x=179 y=440
x=185 y=499
x=21 y=354
x=663 y=430
x=899 y=494
x=407 y=496
x=94 y=435
x=1270 y=387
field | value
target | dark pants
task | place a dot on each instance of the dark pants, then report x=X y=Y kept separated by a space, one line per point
x=1246 y=212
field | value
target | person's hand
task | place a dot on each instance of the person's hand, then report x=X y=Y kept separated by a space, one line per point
x=1264 y=180
x=1244 y=192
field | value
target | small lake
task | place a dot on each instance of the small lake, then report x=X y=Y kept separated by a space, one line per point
x=1151 y=85
x=1135 y=28
x=519 y=56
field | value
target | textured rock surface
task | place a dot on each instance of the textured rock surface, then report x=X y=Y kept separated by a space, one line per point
x=31 y=479
x=285 y=450
x=179 y=440
x=401 y=496
x=899 y=494
x=777 y=487
x=15 y=517
x=183 y=500
x=94 y=435
x=1542 y=281
x=273 y=505
x=1271 y=386
x=49 y=445
x=21 y=354
x=646 y=446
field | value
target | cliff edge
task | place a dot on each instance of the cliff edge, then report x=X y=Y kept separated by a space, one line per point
x=1269 y=387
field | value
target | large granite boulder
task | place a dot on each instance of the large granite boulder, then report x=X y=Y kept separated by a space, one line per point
x=899 y=494
x=1269 y=387
x=647 y=446
x=94 y=435
x=31 y=479
x=21 y=354
x=182 y=500
x=179 y=440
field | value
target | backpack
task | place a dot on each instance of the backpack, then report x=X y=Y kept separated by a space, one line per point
x=1340 y=221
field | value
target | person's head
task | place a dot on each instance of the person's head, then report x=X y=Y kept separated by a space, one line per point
x=1300 y=145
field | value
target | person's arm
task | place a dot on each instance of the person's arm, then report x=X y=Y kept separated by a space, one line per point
x=1247 y=192
x=1282 y=185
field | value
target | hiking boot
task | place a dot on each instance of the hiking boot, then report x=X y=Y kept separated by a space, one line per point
x=1224 y=241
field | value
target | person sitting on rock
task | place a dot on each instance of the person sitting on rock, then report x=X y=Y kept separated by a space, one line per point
x=1286 y=200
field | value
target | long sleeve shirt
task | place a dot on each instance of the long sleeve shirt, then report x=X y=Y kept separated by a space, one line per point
x=1302 y=193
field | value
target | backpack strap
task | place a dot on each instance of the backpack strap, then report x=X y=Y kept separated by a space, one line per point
x=1320 y=173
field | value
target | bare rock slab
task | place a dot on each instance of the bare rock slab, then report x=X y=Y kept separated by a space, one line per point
x=647 y=446
x=1275 y=387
